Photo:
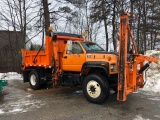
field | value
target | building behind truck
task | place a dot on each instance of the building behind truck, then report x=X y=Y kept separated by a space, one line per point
x=10 y=55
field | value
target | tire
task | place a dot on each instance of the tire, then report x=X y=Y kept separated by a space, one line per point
x=34 y=80
x=95 y=88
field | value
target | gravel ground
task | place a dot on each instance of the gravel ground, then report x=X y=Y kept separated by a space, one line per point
x=19 y=102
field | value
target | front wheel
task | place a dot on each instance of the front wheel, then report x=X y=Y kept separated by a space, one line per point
x=95 y=88
x=34 y=80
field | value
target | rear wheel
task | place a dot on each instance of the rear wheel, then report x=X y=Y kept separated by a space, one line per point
x=34 y=80
x=95 y=88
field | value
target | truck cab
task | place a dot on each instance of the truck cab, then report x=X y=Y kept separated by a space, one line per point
x=84 y=53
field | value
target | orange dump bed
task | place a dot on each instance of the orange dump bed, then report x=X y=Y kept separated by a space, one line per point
x=31 y=58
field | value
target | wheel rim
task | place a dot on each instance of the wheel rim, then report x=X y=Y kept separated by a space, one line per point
x=33 y=80
x=93 y=89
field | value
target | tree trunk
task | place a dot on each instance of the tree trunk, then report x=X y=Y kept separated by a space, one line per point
x=106 y=31
x=151 y=41
x=46 y=15
x=105 y=24
x=130 y=22
x=25 y=23
x=138 y=26
x=144 y=25
x=113 y=25
x=154 y=43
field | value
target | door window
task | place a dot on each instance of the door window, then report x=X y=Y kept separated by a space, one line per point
x=76 y=48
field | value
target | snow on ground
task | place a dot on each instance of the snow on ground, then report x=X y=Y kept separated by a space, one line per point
x=19 y=102
x=138 y=117
x=153 y=73
x=10 y=76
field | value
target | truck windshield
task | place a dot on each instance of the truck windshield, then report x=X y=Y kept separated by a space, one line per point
x=91 y=47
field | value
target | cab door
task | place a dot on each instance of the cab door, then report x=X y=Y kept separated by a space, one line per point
x=73 y=60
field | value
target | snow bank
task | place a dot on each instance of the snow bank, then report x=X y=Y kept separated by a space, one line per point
x=153 y=73
x=10 y=76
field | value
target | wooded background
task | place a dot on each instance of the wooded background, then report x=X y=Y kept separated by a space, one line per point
x=99 y=19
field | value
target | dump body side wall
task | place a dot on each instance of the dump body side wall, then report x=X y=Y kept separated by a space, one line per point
x=38 y=58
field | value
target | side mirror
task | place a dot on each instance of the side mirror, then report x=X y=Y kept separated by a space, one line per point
x=69 y=46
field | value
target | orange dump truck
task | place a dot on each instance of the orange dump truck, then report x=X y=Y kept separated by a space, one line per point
x=70 y=60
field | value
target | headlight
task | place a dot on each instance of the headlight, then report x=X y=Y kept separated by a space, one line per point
x=113 y=67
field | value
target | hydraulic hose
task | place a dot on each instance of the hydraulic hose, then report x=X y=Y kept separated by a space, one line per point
x=143 y=68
